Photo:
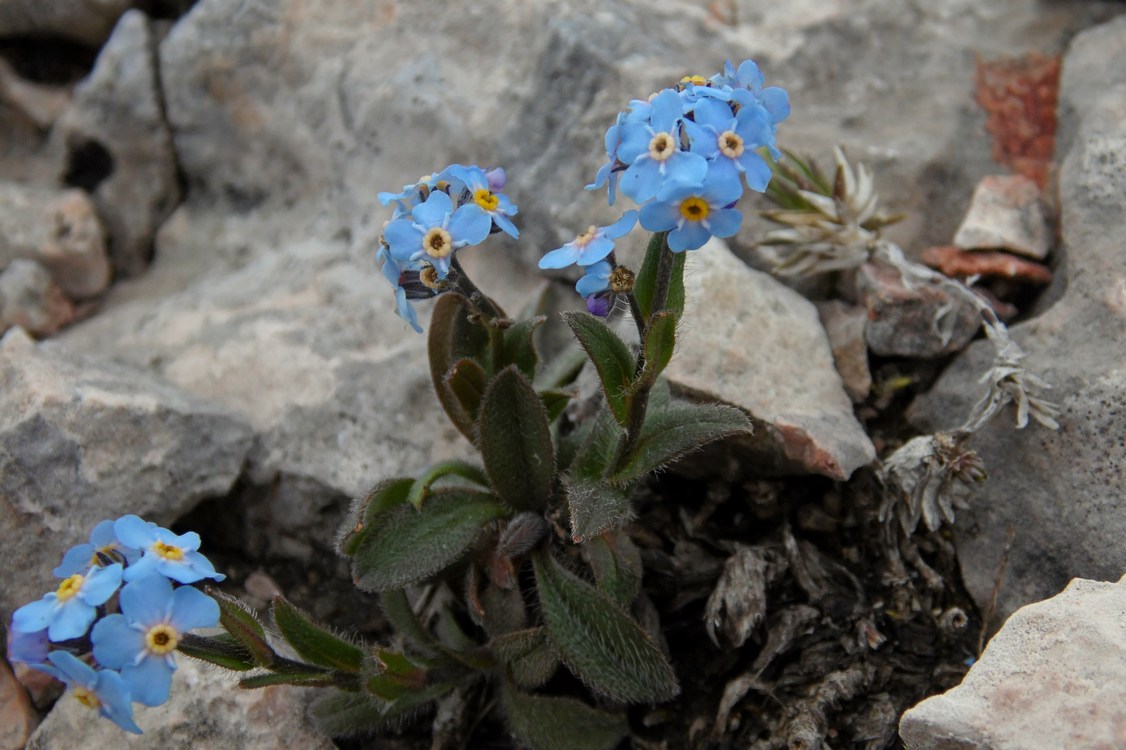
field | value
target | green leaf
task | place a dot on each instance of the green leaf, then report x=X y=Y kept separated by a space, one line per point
x=554 y=402
x=406 y=545
x=645 y=284
x=597 y=450
x=616 y=563
x=386 y=494
x=681 y=428
x=519 y=348
x=611 y=358
x=455 y=334
x=466 y=380
x=397 y=609
x=562 y=369
x=222 y=650
x=420 y=490
x=516 y=442
x=556 y=723
x=595 y=507
x=660 y=340
x=312 y=641
x=300 y=679
x=529 y=655
x=243 y=626
x=339 y=713
x=599 y=642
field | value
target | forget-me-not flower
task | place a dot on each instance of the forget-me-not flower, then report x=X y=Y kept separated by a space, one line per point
x=28 y=648
x=434 y=231
x=591 y=246
x=693 y=213
x=729 y=141
x=100 y=689
x=140 y=641
x=67 y=612
x=652 y=150
x=103 y=545
x=173 y=555
x=479 y=191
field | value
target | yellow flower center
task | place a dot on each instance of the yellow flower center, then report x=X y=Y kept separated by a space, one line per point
x=694 y=208
x=69 y=587
x=86 y=697
x=437 y=243
x=429 y=278
x=168 y=551
x=160 y=639
x=486 y=199
x=695 y=80
x=730 y=145
x=585 y=238
x=662 y=147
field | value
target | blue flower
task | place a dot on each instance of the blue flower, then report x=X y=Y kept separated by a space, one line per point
x=652 y=149
x=693 y=213
x=747 y=90
x=411 y=195
x=140 y=641
x=435 y=231
x=610 y=171
x=595 y=279
x=103 y=545
x=478 y=191
x=68 y=612
x=100 y=689
x=391 y=271
x=591 y=246
x=728 y=141
x=28 y=648
x=164 y=552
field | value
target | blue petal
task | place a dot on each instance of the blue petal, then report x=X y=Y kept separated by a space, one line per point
x=560 y=257
x=701 y=140
x=29 y=648
x=71 y=620
x=600 y=176
x=749 y=75
x=74 y=671
x=103 y=534
x=36 y=616
x=76 y=560
x=777 y=102
x=714 y=114
x=622 y=226
x=595 y=279
x=469 y=226
x=147 y=600
x=668 y=109
x=660 y=217
x=101 y=584
x=505 y=225
x=134 y=531
x=149 y=681
x=405 y=310
x=685 y=168
x=721 y=189
x=148 y=565
x=433 y=213
x=191 y=608
x=404 y=239
x=691 y=236
x=635 y=142
x=115 y=699
x=725 y=222
x=755 y=170
x=116 y=644
x=595 y=250
x=641 y=180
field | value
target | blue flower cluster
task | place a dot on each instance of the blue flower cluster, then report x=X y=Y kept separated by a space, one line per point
x=684 y=157
x=433 y=218
x=135 y=634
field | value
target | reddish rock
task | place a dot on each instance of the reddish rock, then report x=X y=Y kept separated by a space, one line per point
x=958 y=263
x=17 y=718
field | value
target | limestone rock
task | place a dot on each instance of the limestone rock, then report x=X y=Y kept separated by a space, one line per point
x=844 y=325
x=1051 y=678
x=117 y=144
x=81 y=441
x=85 y=21
x=59 y=229
x=1005 y=214
x=918 y=320
x=751 y=341
x=1060 y=491
x=29 y=299
x=206 y=709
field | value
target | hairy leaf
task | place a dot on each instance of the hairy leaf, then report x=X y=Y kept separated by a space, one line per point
x=660 y=340
x=516 y=442
x=645 y=285
x=339 y=713
x=406 y=545
x=467 y=380
x=243 y=626
x=611 y=358
x=555 y=723
x=670 y=433
x=312 y=641
x=384 y=495
x=529 y=655
x=397 y=609
x=454 y=335
x=300 y=679
x=599 y=642
x=223 y=650
x=616 y=563
x=597 y=450
x=420 y=490
x=519 y=348
x=595 y=507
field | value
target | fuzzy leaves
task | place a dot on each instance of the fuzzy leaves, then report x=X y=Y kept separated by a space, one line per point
x=595 y=507
x=456 y=337
x=611 y=358
x=404 y=545
x=646 y=283
x=312 y=641
x=554 y=723
x=672 y=432
x=516 y=441
x=599 y=642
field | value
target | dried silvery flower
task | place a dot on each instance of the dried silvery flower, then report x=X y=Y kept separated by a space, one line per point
x=928 y=477
x=1010 y=382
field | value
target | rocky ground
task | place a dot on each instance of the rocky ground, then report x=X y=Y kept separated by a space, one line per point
x=196 y=333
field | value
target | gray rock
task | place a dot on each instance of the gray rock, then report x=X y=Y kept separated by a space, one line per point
x=207 y=709
x=81 y=441
x=924 y=319
x=85 y=21
x=29 y=299
x=845 y=325
x=1005 y=214
x=116 y=143
x=1060 y=491
x=751 y=341
x=59 y=229
x=1051 y=678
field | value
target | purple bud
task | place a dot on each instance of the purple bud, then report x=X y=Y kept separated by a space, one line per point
x=599 y=304
x=496 y=178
